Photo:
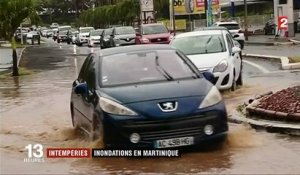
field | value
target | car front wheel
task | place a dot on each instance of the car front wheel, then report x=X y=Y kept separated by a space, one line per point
x=233 y=86
x=97 y=133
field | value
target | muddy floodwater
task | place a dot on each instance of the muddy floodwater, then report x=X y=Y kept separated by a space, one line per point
x=35 y=109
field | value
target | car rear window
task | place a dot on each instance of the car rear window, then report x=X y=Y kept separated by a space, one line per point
x=154 y=29
x=230 y=26
x=143 y=67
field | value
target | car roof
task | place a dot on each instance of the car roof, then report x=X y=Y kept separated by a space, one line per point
x=134 y=48
x=211 y=28
x=226 y=22
x=200 y=32
x=152 y=24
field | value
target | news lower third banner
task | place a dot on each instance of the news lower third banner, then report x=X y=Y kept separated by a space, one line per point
x=35 y=153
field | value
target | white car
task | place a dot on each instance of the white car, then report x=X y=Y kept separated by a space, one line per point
x=213 y=51
x=95 y=37
x=235 y=31
x=83 y=35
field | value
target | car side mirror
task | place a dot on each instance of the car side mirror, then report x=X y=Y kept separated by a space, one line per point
x=172 y=31
x=81 y=89
x=236 y=50
x=209 y=76
x=236 y=36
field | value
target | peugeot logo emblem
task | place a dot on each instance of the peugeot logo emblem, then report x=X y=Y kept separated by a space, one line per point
x=158 y=39
x=168 y=106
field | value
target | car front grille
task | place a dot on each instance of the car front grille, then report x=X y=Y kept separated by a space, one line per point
x=127 y=39
x=172 y=128
x=159 y=40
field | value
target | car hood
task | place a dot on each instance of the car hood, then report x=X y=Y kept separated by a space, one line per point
x=84 y=34
x=125 y=36
x=95 y=37
x=206 y=61
x=157 y=91
x=160 y=35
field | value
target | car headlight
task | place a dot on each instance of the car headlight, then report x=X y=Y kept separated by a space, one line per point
x=221 y=67
x=146 y=40
x=213 y=97
x=113 y=107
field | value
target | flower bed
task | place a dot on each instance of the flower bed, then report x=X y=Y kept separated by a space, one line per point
x=282 y=105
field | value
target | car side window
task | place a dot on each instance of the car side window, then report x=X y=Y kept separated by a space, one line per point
x=83 y=70
x=230 y=43
x=91 y=75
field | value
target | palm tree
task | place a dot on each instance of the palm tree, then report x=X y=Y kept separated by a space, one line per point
x=12 y=14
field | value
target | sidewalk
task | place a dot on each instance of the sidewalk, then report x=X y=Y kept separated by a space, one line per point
x=271 y=40
x=6 y=58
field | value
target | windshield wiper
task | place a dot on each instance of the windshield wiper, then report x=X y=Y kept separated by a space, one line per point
x=162 y=70
x=209 y=39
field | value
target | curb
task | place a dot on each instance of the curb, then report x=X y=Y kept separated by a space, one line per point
x=272 y=126
x=275 y=114
x=20 y=55
x=285 y=65
x=291 y=42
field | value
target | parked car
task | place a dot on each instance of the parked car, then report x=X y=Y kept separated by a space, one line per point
x=94 y=38
x=235 y=30
x=83 y=36
x=105 y=40
x=213 y=51
x=32 y=34
x=63 y=36
x=74 y=36
x=270 y=27
x=157 y=99
x=49 y=33
x=19 y=34
x=155 y=33
x=122 y=36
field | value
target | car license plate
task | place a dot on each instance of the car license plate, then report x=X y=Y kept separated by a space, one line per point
x=175 y=142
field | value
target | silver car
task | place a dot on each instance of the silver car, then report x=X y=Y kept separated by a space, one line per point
x=122 y=36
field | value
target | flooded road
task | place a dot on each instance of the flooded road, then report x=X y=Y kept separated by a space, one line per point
x=35 y=109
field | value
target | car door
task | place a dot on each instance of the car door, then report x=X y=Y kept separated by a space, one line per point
x=236 y=59
x=90 y=98
x=80 y=100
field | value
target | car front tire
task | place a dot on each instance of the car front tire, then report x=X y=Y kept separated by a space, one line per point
x=97 y=133
x=233 y=86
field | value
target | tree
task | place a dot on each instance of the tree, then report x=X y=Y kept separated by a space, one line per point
x=12 y=14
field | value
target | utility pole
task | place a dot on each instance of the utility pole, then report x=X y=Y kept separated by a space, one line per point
x=205 y=12
x=172 y=16
x=245 y=20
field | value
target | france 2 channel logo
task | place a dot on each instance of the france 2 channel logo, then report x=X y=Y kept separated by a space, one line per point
x=35 y=153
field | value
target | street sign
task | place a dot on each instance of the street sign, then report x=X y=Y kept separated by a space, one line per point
x=190 y=7
x=282 y=22
x=146 y=5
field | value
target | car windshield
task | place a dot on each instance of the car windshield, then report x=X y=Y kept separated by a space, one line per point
x=108 y=31
x=86 y=30
x=201 y=44
x=154 y=29
x=63 y=32
x=143 y=67
x=230 y=26
x=96 y=32
x=124 y=30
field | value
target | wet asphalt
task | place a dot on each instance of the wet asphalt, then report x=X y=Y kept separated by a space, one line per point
x=35 y=109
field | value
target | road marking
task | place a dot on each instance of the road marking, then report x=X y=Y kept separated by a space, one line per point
x=262 y=69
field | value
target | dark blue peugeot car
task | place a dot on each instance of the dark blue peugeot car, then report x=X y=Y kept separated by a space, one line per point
x=146 y=96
